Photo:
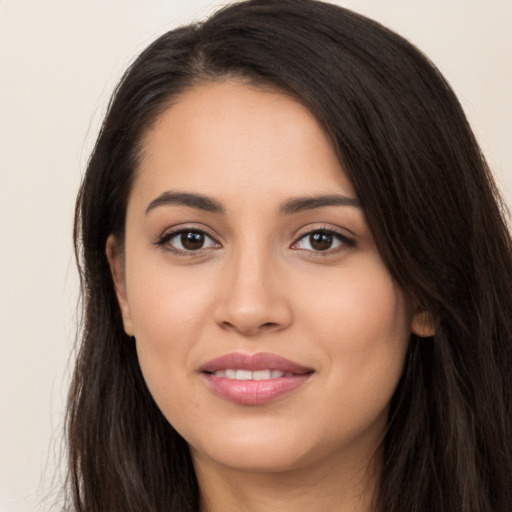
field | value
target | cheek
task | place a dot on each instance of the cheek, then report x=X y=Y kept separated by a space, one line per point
x=167 y=325
x=169 y=310
x=165 y=300
x=364 y=309
x=362 y=321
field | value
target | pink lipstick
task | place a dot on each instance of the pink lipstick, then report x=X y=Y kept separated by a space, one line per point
x=253 y=379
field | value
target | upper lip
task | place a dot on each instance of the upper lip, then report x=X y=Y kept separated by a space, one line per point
x=253 y=362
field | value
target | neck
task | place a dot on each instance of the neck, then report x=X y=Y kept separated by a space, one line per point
x=325 y=488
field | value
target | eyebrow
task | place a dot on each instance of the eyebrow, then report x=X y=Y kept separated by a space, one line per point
x=295 y=205
x=197 y=201
x=301 y=204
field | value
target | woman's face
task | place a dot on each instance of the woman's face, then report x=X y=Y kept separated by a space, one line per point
x=268 y=329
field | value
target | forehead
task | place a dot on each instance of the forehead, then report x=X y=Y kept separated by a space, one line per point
x=232 y=137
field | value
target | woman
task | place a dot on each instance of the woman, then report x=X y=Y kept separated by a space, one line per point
x=297 y=279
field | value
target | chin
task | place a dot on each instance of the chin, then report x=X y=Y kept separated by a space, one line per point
x=254 y=457
x=268 y=445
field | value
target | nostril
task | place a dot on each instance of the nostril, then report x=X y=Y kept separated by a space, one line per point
x=227 y=325
x=248 y=329
x=249 y=315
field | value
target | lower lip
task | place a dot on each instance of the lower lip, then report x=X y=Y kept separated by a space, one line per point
x=254 y=392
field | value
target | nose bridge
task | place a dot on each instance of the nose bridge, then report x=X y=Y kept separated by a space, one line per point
x=252 y=299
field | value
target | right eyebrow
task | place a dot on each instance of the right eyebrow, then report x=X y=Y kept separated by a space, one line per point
x=197 y=201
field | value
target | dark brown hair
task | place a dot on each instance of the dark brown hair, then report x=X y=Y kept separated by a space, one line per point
x=431 y=204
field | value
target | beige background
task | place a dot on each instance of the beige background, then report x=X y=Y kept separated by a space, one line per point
x=59 y=60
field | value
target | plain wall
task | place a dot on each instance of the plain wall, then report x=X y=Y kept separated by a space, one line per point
x=59 y=61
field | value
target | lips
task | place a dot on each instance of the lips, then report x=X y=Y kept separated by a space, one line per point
x=253 y=379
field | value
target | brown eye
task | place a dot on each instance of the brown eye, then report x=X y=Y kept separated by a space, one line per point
x=192 y=240
x=187 y=240
x=320 y=241
x=323 y=241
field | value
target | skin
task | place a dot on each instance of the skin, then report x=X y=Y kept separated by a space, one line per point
x=259 y=285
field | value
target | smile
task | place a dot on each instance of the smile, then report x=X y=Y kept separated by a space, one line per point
x=255 y=379
x=256 y=375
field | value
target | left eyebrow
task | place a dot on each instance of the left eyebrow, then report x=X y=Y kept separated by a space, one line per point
x=301 y=204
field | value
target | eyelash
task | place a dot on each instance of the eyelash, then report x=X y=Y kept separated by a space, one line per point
x=164 y=240
x=343 y=239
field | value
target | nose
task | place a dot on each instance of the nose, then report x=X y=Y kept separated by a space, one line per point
x=253 y=298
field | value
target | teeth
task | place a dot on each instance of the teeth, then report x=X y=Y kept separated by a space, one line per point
x=262 y=375
x=248 y=375
x=243 y=375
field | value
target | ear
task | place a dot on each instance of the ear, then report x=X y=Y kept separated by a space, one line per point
x=115 y=258
x=424 y=323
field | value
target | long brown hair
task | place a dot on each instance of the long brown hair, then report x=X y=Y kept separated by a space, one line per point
x=434 y=211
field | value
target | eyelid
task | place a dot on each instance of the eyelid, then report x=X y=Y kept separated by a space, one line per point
x=346 y=240
x=170 y=233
